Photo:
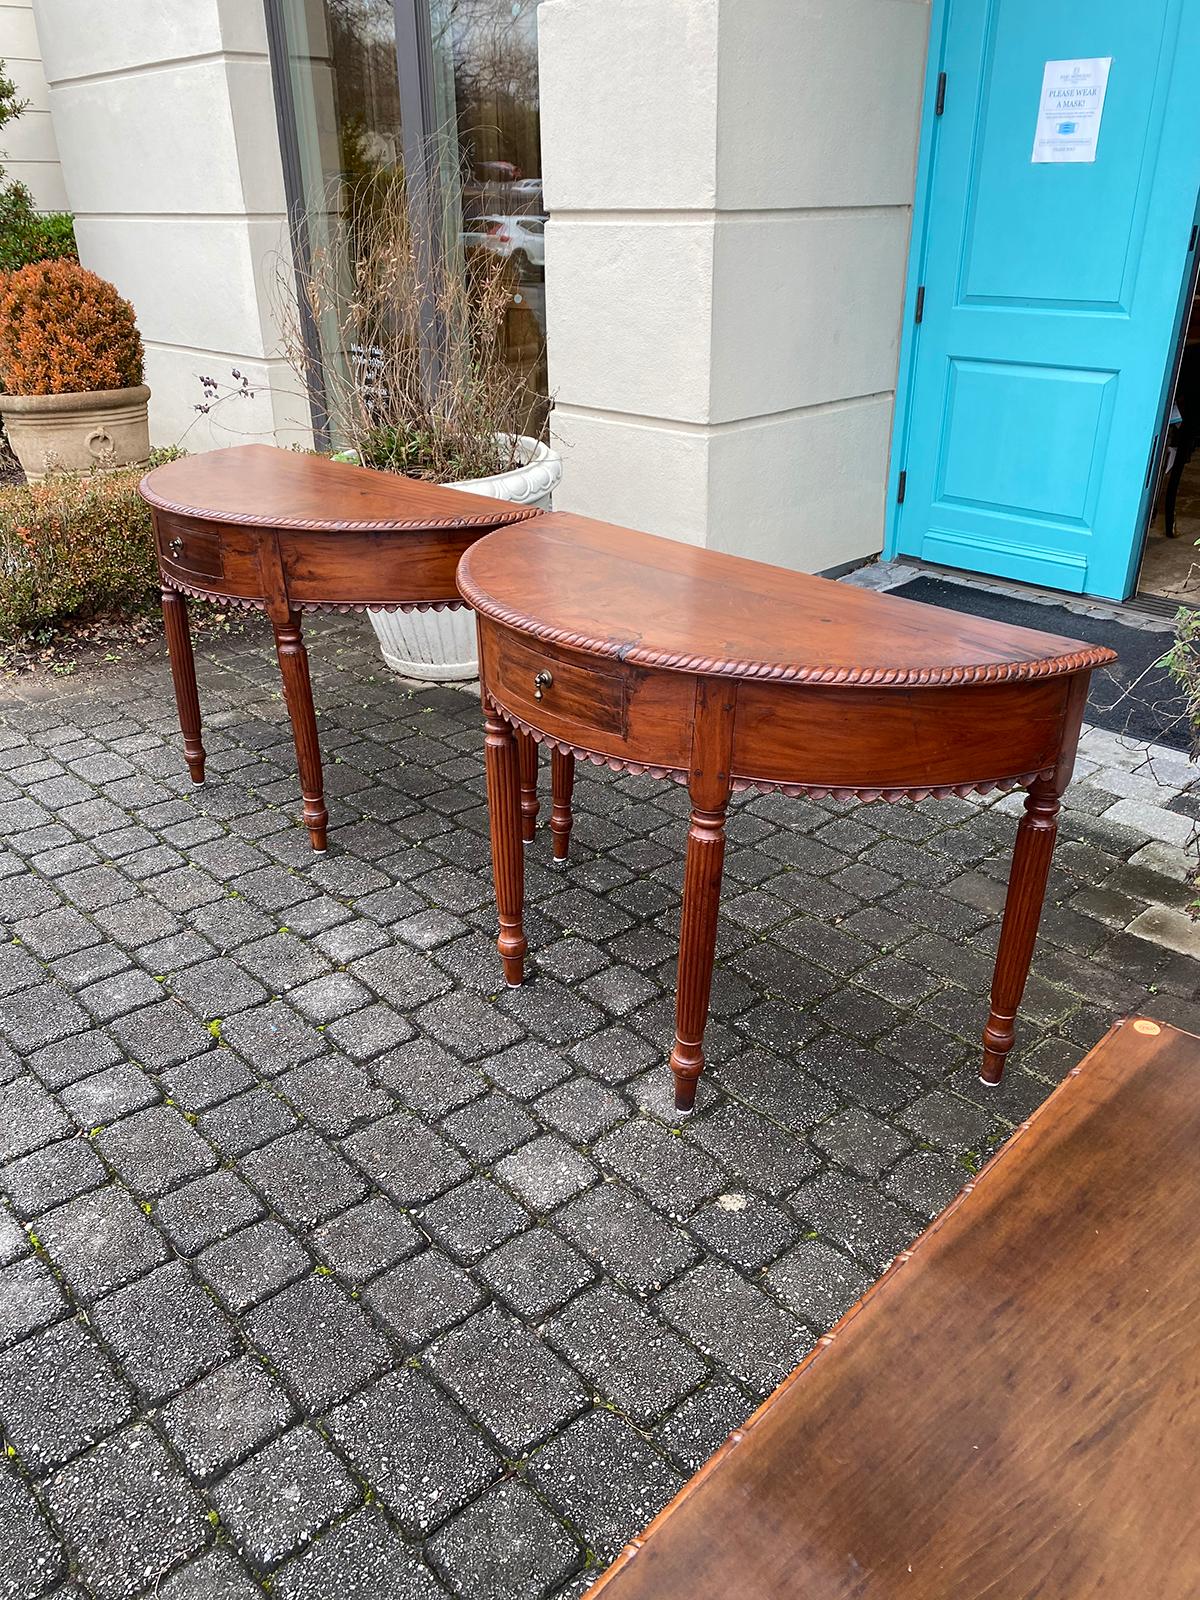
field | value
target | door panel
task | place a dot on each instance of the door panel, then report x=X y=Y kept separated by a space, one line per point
x=1010 y=404
x=1052 y=293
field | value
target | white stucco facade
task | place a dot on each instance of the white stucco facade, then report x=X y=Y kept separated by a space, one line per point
x=725 y=263
x=165 y=122
x=30 y=148
x=730 y=188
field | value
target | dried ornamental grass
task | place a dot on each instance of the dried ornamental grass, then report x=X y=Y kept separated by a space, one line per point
x=417 y=377
x=63 y=330
x=1182 y=661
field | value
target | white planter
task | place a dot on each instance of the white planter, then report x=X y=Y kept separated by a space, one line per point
x=439 y=646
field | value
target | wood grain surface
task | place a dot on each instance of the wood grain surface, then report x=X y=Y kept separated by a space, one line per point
x=654 y=602
x=1013 y=1411
x=258 y=485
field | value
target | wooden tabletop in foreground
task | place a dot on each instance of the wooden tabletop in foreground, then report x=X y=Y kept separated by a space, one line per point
x=1014 y=1410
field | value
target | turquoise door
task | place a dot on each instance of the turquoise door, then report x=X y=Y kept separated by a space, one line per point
x=1045 y=294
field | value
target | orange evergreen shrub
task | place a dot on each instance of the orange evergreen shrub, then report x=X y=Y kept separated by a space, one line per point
x=63 y=330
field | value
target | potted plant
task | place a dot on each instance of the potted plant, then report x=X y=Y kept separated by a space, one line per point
x=430 y=361
x=71 y=390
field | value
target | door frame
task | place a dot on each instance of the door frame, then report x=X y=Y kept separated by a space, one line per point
x=1137 y=555
x=915 y=272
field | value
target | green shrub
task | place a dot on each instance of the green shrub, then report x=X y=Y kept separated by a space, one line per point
x=72 y=548
x=27 y=235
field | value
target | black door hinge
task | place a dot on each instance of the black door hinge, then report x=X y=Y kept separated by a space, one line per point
x=940 y=103
x=1192 y=240
x=1150 y=463
x=901 y=487
x=919 y=315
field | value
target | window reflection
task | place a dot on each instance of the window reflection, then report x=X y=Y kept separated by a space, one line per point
x=350 y=126
x=362 y=53
x=486 y=80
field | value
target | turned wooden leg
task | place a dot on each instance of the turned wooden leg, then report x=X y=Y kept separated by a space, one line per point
x=508 y=863
x=562 y=781
x=1022 y=911
x=527 y=752
x=183 y=671
x=297 y=692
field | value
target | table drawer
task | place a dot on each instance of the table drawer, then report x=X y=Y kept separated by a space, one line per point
x=571 y=693
x=190 y=551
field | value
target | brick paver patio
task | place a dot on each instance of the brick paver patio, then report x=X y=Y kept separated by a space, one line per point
x=327 y=1264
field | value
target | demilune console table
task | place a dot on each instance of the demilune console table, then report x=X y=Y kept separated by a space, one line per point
x=725 y=674
x=272 y=530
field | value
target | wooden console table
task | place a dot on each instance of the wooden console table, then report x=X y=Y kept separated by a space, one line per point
x=1014 y=1409
x=725 y=674
x=271 y=530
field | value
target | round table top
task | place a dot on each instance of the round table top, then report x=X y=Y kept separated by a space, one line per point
x=655 y=602
x=262 y=486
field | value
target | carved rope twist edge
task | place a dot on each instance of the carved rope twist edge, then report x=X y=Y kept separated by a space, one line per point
x=880 y=677
x=251 y=519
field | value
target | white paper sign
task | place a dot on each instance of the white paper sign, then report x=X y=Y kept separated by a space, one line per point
x=1070 y=109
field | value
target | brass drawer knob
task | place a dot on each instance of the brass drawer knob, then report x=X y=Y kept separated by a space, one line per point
x=175 y=546
x=543 y=680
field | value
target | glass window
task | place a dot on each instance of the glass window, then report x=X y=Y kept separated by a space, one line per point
x=376 y=83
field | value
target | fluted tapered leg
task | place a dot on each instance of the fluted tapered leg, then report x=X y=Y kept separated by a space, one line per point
x=297 y=691
x=562 y=783
x=508 y=863
x=697 y=947
x=709 y=787
x=1022 y=910
x=527 y=752
x=183 y=673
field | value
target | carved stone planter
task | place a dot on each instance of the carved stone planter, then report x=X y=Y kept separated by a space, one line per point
x=77 y=432
x=440 y=645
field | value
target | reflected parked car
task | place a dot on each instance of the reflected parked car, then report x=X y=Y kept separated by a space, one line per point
x=521 y=239
x=526 y=194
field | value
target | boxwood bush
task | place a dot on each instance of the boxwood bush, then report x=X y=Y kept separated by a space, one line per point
x=28 y=235
x=73 y=548
x=25 y=233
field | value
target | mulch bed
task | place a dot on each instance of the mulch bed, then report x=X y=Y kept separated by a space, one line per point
x=104 y=640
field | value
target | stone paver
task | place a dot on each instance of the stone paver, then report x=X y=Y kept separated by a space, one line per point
x=127 y=1513
x=31 y=1558
x=59 y=1394
x=277 y=1501
x=325 y=1261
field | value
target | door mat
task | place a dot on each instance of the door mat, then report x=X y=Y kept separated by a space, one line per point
x=1134 y=697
